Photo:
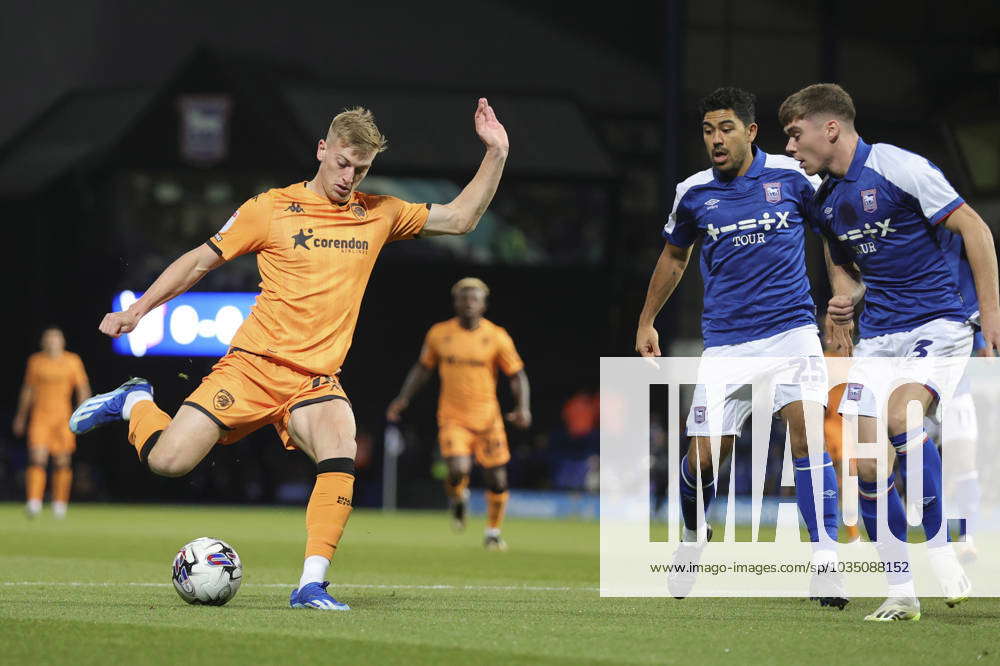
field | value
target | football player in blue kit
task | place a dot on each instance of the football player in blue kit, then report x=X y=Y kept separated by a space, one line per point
x=747 y=211
x=899 y=237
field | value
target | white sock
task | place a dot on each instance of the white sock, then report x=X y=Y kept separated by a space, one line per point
x=59 y=509
x=690 y=535
x=904 y=590
x=824 y=557
x=131 y=399
x=492 y=531
x=314 y=570
x=34 y=506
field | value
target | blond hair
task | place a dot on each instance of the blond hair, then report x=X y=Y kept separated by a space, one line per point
x=470 y=283
x=356 y=128
x=817 y=99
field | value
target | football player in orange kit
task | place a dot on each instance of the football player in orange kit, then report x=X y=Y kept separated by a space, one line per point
x=52 y=377
x=316 y=244
x=467 y=350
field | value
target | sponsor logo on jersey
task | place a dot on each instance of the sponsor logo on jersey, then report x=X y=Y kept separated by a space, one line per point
x=229 y=223
x=306 y=239
x=868 y=201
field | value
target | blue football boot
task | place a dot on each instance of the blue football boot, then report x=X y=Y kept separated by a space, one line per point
x=313 y=595
x=105 y=408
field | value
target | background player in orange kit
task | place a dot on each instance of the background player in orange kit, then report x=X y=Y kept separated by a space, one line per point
x=52 y=377
x=467 y=350
x=316 y=244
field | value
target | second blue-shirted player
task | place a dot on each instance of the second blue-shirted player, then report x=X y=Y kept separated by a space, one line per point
x=899 y=236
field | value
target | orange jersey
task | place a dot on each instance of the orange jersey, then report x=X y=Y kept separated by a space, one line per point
x=52 y=381
x=315 y=258
x=467 y=362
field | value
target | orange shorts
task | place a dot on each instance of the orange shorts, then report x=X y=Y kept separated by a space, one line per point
x=489 y=446
x=51 y=434
x=245 y=392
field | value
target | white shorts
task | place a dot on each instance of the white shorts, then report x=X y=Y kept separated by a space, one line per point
x=933 y=354
x=791 y=364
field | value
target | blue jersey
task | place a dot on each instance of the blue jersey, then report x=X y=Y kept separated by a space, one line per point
x=883 y=216
x=753 y=250
x=958 y=263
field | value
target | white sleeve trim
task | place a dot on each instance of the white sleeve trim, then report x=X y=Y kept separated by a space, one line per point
x=699 y=178
x=914 y=175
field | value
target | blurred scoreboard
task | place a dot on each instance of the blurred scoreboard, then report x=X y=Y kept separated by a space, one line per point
x=193 y=324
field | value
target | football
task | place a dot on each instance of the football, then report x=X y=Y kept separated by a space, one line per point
x=207 y=571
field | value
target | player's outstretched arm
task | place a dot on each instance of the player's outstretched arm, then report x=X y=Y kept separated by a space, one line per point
x=847 y=288
x=462 y=215
x=668 y=272
x=415 y=379
x=178 y=277
x=979 y=248
x=519 y=387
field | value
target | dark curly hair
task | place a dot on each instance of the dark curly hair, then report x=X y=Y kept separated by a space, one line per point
x=743 y=103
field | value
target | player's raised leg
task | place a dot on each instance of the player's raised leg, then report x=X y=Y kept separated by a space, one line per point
x=497 y=494
x=456 y=487
x=324 y=431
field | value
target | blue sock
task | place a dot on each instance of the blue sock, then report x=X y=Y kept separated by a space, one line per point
x=868 y=502
x=967 y=495
x=689 y=495
x=931 y=476
x=804 y=495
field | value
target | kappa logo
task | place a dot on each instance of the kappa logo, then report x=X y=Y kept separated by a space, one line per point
x=359 y=211
x=346 y=501
x=772 y=192
x=295 y=208
x=868 y=201
x=223 y=400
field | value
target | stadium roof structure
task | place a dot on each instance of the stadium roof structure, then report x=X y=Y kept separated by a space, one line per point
x=277 y=116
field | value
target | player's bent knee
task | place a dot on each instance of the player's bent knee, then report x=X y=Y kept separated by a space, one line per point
x=170 y=463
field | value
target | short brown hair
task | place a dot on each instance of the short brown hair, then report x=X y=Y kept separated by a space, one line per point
x=817 y=99
x=470 y=283
x=356 y=127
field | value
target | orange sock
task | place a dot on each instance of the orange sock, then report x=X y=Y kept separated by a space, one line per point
x=145 y=425
x=62 y=482
x=496 y=505
x=35 y=482
x=455 y=492
x=328 y=510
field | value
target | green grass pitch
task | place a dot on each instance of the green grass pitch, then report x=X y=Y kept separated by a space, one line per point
x=94 y=588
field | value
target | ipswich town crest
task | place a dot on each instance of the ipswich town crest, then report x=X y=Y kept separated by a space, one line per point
x=772 y=192
x=868 y=201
